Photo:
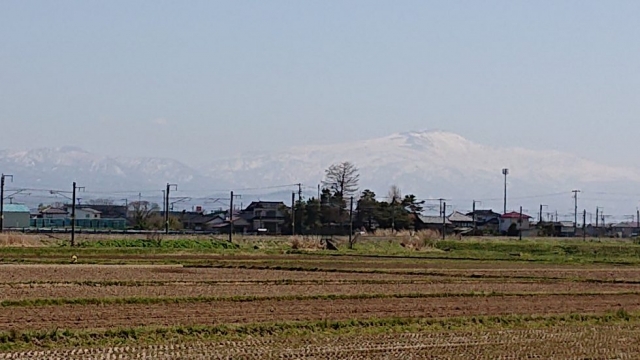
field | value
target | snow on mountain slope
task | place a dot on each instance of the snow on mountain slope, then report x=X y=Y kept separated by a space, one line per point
x=56 y=168
x=430 y=164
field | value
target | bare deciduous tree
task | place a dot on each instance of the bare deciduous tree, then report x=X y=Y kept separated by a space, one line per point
x=342 y=179
x=395 y=195
x=141 y=212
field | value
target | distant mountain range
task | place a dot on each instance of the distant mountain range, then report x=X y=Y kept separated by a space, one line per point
x=430 y=164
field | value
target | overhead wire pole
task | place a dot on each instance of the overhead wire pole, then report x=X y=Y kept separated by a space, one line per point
x=2 y=181
x=475 y=222
x=293 y=213
x=584 y=226
x=444 y=220
x=351 y=223
x=166 y=206
x=73 y=213
x=231 y=214
x=540 y=214
x=575 y=212
x=520 y=224
x=505 y=172
x=300 y=202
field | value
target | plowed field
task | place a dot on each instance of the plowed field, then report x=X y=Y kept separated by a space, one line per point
x=52 y=299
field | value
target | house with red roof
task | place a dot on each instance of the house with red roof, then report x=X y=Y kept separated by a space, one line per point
x=521 y=222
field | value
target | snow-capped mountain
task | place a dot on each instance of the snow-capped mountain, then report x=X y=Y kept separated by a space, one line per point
x=435 y=164
x=56 y=168
x=430 y=164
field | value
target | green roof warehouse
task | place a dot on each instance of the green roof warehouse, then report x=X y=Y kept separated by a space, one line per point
x=16 y=216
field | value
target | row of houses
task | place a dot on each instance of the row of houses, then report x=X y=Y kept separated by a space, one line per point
x=269 y=218
x=258 y=217
x=484 y=221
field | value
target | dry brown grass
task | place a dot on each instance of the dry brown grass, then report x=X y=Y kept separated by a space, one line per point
x=305 y=243
x=12 y=239
x=415 y=240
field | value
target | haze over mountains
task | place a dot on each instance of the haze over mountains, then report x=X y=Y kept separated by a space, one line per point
x=430 y=164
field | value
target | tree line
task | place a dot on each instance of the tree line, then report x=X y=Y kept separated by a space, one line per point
x=341 y=202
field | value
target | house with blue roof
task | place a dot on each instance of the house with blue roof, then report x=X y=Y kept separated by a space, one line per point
x=16 y=216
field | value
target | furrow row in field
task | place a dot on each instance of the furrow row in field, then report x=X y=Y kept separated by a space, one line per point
x=220 y=312
x=71 y=291
x=573 y=342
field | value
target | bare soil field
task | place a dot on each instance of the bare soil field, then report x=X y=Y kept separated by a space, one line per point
x=239 y=292
x=63 y=273
x=599 y=342
x=333 y=287
x=219 y=312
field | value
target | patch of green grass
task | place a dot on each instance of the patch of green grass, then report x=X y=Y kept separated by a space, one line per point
x=162 y=244
x=169 y=251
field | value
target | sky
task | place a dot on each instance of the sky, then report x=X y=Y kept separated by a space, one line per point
x=200 y=80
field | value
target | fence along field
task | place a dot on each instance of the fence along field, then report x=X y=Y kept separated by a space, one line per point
x=286 y=298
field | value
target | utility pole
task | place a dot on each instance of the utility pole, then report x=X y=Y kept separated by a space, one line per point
x=597 y=217
x=166 y=206
x=520 y=224
x=73 y=213
x=2 y=181
x=351 y=223
x=231 y=217
x=444 y=219
x=293 y=213
x=505 y=172
x=301 y=213
x=584 y=225
x=540 y=216
x=473 y=212
x=575 y=213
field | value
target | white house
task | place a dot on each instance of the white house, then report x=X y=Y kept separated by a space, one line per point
x=87 y=213
x=508 y=219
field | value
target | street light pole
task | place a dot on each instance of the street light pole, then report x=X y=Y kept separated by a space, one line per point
x=505 y=172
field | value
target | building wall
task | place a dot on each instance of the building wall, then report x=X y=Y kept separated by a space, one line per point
x=81 y=214
x=55 y=216
x=16 y=220
x=506 y=223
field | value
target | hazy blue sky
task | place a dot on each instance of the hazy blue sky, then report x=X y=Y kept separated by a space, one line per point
x=187 y=78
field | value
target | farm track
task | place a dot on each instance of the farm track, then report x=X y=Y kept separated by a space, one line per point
x=578 y=342
x=221 y=312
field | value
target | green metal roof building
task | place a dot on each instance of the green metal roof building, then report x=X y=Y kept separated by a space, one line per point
x=16 y=216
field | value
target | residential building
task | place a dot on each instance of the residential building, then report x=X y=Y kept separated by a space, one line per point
x=625 y=229
x=521 y=222
x=108 y=211
x=563 y=228
x=87 y=213
x=460 y=220
x=53 y=213
x=487 y=221
x=220 y=223
x=435 y=223
x=265 y=216
x=16 y=216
